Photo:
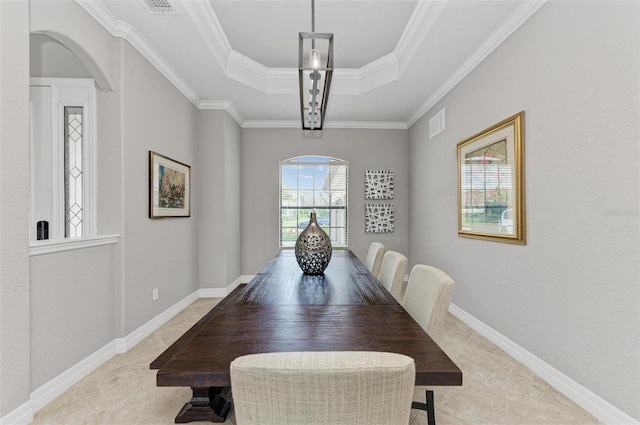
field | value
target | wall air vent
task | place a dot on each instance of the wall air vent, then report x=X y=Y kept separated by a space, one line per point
x=160 y=7
x=436 y=124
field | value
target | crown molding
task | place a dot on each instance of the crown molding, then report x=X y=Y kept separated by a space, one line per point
x=206 y=21
x=519 y=17
x=422 y=19
x=98 y=12
x=251 y=73
x=285 y=80
x=140 y=44
x=272 y=124
x=122 y=30
x=224 y=105
x=376 y=74
x=372 y=125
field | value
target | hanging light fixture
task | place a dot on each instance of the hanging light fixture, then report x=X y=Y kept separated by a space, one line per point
x=315 y=69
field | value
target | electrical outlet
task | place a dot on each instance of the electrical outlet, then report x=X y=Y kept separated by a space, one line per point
x=155 y=294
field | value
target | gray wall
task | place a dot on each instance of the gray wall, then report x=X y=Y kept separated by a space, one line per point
x=233 y=204
x=570 y=296
x=73 y=294
x=49 y=58
x=364 y=149
x=81 y=300
x=160 y=253
x=219 y=227
x=73 y=298
x=14 y=205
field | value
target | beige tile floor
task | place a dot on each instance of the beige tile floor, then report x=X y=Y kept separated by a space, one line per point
x=496 y=390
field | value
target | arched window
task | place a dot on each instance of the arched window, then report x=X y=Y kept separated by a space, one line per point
x=313 y=183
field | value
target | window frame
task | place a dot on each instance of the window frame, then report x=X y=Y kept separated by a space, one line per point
x=305 y=160
x=58 y=102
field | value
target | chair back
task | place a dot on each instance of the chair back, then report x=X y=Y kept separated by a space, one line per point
x=374 y=258
x=392 y=271
x=427 y=298
x=309 y=388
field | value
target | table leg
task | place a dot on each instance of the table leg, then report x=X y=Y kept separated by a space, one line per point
x=207 y=404
x=427 y=407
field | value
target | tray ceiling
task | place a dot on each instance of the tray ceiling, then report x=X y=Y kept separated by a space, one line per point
x=394 y=59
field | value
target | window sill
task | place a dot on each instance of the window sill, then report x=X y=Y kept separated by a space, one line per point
x=335 y=248
x=60 y=245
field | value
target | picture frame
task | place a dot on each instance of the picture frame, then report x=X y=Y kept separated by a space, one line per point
x=169 y=187
x=491 y=183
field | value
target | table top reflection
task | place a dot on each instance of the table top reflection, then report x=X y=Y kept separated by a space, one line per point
x=346 y=281
x=281 y=309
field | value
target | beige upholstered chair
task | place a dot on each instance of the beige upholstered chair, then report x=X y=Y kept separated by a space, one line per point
x=374 y=258
x=337 y=388
x=427 y=301
x=392 y=270
x=427 y=298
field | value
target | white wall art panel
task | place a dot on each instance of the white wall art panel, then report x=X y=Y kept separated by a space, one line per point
x=378 y=184
x=378 y=218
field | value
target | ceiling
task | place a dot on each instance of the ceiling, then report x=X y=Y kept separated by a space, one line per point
x=394 y=59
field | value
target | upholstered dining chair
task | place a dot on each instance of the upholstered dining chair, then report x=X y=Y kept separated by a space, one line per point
x=309 y=388
x=427 y=301
x=392 y=270
x=374 y=258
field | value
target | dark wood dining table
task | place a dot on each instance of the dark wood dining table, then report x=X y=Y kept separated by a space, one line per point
x=280 y=310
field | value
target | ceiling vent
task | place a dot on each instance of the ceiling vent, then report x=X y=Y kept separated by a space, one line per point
x=160 y=7
x=436 y=124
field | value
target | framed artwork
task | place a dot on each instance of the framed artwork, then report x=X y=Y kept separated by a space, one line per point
x=378 y=218
x=169 y=187
x=378 y=184
x=491 y=183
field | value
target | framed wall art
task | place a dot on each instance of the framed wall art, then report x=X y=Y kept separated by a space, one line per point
x=491 y=183
x=169 y=187
x=378 y=184
x=379 y=218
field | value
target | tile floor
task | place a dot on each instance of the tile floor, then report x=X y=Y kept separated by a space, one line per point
x=496 y=390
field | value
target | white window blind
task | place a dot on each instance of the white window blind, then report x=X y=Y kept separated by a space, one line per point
x=313 y=183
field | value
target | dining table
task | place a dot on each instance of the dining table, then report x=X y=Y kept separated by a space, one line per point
x=283 y=310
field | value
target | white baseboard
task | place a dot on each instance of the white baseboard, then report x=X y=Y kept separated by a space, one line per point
x=57 y=386
x=604 y=411
x=125 y=344
x=220 y=292
x=61 y=383
x=246 y=278
x=212 y=292
x=21 y=415
x=48 y=392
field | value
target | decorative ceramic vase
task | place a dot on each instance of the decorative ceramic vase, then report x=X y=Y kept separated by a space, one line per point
x=313 y=248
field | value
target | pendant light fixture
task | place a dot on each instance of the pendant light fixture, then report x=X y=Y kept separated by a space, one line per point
x=315 y=69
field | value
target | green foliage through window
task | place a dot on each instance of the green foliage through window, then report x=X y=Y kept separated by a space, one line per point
x=308 y=184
